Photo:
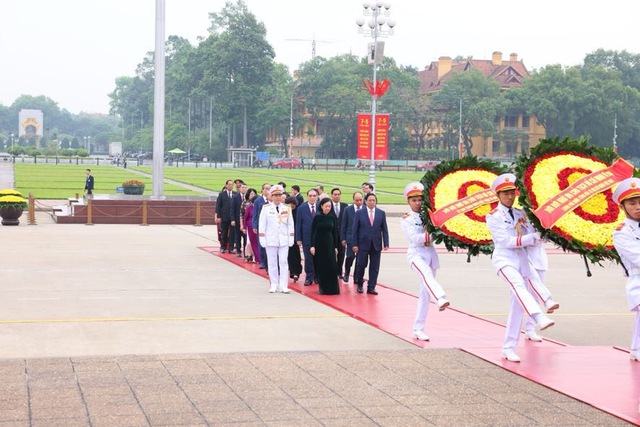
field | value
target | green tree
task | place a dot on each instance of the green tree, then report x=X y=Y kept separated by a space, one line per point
x=481 y=102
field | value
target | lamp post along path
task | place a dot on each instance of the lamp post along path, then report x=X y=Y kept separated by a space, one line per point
x=377 y=26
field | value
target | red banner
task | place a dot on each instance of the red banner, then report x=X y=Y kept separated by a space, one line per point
x=466 y=204
x=581 y=191
x=381 y=140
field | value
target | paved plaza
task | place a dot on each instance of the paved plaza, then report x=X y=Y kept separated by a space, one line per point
x=127 y=325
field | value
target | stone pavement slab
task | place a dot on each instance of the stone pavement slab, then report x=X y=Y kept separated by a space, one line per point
x=376 y=388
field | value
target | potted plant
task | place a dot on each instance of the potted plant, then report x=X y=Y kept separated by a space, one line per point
x=12 y=204
x=133 y=186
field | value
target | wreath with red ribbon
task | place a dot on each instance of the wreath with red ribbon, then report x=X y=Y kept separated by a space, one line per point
x=449 y=182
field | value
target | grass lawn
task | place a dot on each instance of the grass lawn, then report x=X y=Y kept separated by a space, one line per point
x=50 y=181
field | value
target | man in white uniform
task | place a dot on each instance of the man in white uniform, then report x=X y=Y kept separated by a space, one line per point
x=423 y=259
x=511 y=234
x=276 y=235
x=626 y=239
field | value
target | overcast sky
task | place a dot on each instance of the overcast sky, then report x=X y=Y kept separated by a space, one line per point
x=72 y=50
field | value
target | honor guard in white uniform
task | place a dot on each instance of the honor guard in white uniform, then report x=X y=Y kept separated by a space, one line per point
x=422 y=258
x=511 y=234
x=276 y=235
x=626 y=239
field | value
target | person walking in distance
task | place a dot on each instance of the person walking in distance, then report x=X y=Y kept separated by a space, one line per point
x=223 y=216
x=304 y=218
x=337 y=211
x=276 y=236
x=423 y=259
x=88 y=183
x=346 y=233
x=511 y=234
x=371 y=237
x=626 y=240
x=258 y=203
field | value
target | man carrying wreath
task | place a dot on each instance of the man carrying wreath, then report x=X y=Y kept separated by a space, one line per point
x=511 y=235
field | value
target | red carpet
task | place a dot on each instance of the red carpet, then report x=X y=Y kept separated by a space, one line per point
x=603 y=377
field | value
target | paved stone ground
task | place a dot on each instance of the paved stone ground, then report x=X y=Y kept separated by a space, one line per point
x=377 y=388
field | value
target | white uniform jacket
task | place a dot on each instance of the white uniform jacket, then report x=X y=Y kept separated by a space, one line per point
x=420 y=242
x=276 y=226
x=626 y=239
x=510 y=238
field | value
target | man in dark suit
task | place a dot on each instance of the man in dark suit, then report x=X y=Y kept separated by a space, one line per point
x=304 y=218
x=223 y=216
x=258 y=203
x=346 y=233
x=337 y=210
x=88 y=184
x=295 y=191
x=371 y=236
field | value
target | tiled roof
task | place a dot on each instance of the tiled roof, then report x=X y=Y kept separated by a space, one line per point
x=507 y=73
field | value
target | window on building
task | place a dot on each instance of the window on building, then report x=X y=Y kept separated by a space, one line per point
x=495 y=147
x=525 y=122
x=511 y=121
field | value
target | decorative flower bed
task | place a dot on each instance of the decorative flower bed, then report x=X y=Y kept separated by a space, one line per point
x=133 y=186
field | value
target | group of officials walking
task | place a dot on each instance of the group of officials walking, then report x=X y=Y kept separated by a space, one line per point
x=335 y=237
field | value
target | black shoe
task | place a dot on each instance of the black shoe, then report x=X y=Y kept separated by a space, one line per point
x=263 y=267
x=372 y=291
x=307 y=282
x=239 y=254
x=232 y=251
x=223 y=251
x=345 y=278
x=315 y=281
x=360 y=289
x=295 y=278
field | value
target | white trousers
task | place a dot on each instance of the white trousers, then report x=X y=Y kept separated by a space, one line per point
x=541 y=293
x=428 y=286
x=635 y=338
x=278 y=267
x=522 y=301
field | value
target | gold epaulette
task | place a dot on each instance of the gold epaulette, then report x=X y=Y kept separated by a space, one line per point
x=620 y=226
x=493 y=211
x=405 y=216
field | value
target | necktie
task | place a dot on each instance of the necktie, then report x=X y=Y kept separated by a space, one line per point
x=337 y=208
x=511 y=213
x=229 y=193
x=278 y=209
x=313 y=210
x=371 y=216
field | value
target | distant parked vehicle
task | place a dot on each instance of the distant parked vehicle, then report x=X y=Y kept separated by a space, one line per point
x=427 y=166
x=287 y=163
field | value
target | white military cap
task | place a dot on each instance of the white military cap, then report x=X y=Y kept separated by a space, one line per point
x=413 y=189
x=276 y=189
x=506 y=181
x=627 y=189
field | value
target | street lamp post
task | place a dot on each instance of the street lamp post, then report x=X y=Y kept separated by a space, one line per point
x=87 y=144
x=378 y=25
x=12 y=136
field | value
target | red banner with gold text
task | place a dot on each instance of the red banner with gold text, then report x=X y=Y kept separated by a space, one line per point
x=581 y=191
x=381 y=142
x=466 y=204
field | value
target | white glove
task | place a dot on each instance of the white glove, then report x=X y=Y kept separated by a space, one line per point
x=531 y=239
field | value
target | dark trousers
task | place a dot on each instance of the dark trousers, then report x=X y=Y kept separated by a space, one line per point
x=309 y=271
x=362 y=259
x=348 y=262
x=224 y=234
x=340 y=258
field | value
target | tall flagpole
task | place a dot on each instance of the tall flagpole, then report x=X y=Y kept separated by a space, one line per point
x=158 y=103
